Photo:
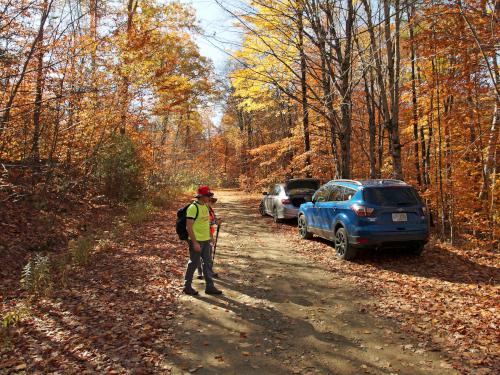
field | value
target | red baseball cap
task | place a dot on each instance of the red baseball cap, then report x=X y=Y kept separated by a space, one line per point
x=203 y=191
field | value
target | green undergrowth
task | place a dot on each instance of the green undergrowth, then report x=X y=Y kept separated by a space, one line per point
x=165 y=197
x=10 y=320
x=139 y=212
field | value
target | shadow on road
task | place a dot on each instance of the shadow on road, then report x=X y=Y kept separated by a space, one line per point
x=282 y=313
x=436 y=263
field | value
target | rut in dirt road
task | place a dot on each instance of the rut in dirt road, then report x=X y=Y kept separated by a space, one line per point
x=281 y=314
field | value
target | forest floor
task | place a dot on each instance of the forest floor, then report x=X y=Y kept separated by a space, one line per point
x=284 y=314
x=289 y=306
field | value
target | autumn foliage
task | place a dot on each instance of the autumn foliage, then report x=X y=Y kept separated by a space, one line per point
x=76 y=75
x=106 y=111
x=344 y=89
x=325 y=88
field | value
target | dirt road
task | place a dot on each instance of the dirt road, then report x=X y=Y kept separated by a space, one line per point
x=282 y=314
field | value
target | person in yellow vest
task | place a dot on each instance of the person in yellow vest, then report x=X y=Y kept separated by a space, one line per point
x=214 y=223
x=200 y=244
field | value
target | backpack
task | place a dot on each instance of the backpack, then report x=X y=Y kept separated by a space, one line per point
x=180 y=225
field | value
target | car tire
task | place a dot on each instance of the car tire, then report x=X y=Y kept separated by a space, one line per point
x=262 y=209
x=276 y=219
x=302 y=225
x=416 y=249
x=343 y=249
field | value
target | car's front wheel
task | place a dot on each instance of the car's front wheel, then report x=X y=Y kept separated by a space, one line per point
x=342 y=247
x=302 y=225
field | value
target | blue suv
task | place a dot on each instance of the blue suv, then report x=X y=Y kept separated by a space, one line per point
x=366 y=214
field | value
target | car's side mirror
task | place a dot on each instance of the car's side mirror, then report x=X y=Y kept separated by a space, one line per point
x=265 y=193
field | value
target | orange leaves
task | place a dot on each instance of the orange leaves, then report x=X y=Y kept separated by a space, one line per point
x=137 y=71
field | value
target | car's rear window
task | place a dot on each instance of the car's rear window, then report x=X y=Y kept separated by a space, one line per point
x=391 y=196
x=302 y=184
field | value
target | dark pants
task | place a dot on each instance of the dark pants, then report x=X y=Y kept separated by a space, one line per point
x=210 y=264
x=194 y=260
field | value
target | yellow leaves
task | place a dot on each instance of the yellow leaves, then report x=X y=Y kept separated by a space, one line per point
x=267 y=56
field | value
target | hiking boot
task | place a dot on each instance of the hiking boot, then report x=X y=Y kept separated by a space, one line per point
x=189 y=291
x=213 y=290
x=200 y=277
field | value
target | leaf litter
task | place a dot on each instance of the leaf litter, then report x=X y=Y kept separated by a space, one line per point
x=447 y=298
x=114 y=316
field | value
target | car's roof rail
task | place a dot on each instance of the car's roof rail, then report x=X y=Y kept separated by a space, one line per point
x=383 y=181
x=393 y=181
x=350 y=181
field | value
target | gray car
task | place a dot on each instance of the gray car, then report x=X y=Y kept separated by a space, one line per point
x=282 y=201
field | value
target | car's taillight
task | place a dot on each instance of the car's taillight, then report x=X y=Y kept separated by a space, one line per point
x=362 y=210
x=285 y=201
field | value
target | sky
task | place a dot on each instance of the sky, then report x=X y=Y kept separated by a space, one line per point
x=219 y=32
x=219 y=35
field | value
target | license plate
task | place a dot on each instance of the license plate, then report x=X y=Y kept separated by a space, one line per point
x=399 y=217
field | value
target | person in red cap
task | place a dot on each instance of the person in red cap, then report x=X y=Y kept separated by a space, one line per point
x=214 y=223
x=198 y=228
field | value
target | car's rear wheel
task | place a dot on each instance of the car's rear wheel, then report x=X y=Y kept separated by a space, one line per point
x=262 y=209
x=342 y=247
x=275 y=215
x=302 y=225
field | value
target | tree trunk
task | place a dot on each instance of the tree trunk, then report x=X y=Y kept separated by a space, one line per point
x=35 y=142
x=371 y=127
x=415 y=110
x=430 y=135
x=345 y=92
x=380 y=143
x=125 y=81
x=390 y=115
x=439 y=171
x=303 y=85
x=490 y=162
x=448 y=167
x=8 y=107
x=368 y=84
x=394 y=64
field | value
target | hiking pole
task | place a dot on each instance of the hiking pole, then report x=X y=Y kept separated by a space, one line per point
x=216 y=240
